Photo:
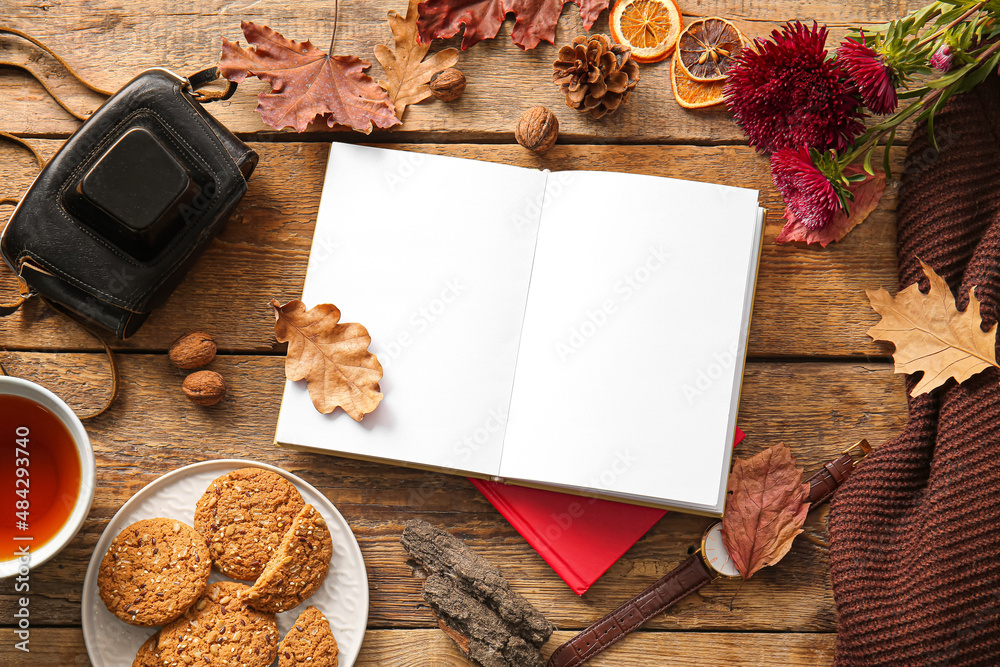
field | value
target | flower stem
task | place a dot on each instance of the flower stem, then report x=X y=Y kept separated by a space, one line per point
x=931 y=38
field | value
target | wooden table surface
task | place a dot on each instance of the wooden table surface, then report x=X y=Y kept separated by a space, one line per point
x=813 y=380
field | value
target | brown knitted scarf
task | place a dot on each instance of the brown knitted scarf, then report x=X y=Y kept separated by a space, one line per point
x=915 y=532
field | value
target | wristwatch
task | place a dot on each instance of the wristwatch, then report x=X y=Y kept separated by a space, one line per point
x=704 y=566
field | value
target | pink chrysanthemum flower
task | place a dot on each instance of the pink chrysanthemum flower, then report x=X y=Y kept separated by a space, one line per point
x=807 y=191
x=785 y=93
x=943 y=59
x=872 y=74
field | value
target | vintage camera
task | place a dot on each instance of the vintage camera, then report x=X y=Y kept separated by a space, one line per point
x=116 y=218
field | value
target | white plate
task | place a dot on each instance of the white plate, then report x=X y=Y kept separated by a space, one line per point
x=343 y=598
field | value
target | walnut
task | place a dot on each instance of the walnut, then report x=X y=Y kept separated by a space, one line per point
x=537 y=130
x=448 y=84
x=205 y=387
x=192 y=350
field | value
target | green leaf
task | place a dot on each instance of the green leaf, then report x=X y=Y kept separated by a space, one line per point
x=885 y=156
x=867 y=166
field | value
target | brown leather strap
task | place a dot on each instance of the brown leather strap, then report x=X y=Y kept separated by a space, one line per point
x=683 y=580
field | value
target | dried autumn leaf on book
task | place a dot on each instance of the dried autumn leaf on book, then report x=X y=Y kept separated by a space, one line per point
x=867 y=194
x=331 y=356
x=407 y=73
x=765 y=509
x=306 y=83
x=535 y=19
x=932 y=335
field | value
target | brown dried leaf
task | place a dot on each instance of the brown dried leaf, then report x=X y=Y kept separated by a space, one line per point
x=331 y=356
x=406 y=71
x=932 y=335
x=867 y=194
x=765 y=509
x=306 y=83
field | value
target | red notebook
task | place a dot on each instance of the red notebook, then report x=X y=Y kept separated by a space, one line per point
x=580 y=538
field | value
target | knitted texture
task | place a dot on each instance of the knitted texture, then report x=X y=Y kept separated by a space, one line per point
x=915 y=531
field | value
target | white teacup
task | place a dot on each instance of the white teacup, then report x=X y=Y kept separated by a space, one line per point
x=11 y=386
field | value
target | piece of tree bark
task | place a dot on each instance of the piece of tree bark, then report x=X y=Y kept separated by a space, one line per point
x=474 y=604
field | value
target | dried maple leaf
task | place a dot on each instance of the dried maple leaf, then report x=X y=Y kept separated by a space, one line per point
x=932 y=335
x=765 y=509
x=867 y=194
x=331 y=356
x=535 y=19
x=306 y=83
x=407 y=73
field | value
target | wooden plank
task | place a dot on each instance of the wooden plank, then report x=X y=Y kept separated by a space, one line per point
x=153 y=429
x=109 y=42
x=417 y=648
x=809 y=301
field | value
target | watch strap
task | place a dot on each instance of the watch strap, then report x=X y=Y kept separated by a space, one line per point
x=683 y=580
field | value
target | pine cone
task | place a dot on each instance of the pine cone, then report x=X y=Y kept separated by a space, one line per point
x=595 y=75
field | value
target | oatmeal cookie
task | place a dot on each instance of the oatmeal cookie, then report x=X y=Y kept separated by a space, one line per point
x=153 y=571
x=309 y=642
x=149 y=653
x=297 y=568
x=243 y=516
x=221 y=630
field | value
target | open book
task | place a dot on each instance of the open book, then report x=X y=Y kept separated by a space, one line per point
x=580 y=331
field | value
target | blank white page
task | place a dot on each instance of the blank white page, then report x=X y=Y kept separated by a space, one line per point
x=433 y=255
x=627 y=369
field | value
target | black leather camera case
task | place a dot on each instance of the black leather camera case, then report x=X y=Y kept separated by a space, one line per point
x=120 y=213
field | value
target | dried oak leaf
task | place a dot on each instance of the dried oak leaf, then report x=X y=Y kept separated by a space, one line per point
x=306 y=83
x=867 y=194
x=765 y=509
x=932 y=335
x=535 y=19
x=407 y=73
x=331 y=356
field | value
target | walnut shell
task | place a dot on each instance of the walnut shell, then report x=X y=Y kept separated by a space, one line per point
x=192 y=350
x=205 y=387
x=448 y=84
x=537 y=129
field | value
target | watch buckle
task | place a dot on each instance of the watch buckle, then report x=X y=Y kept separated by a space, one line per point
x=862 y=445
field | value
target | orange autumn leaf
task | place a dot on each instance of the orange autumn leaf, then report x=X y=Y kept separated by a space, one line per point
x=306 y=83
x=931 y=335
x=867 y=194
x=765 y=509
x=331 y=356
x=407 y=74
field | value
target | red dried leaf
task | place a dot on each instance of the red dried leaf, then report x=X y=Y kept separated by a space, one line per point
x=765 y=509
x=535 y=19
x=867 y=194
x=306 y=83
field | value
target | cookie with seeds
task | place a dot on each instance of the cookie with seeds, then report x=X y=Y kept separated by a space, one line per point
x=243 y=516
x=309 y=642
x=221 y=630
x=297 y=568
x=149 y=653
x=153 y=571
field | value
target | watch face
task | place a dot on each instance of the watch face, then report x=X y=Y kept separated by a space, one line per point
x=715 y=554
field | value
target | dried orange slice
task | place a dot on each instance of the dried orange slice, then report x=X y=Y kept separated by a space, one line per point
x=708 y=47
x=649 y=27
x=692 y=94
